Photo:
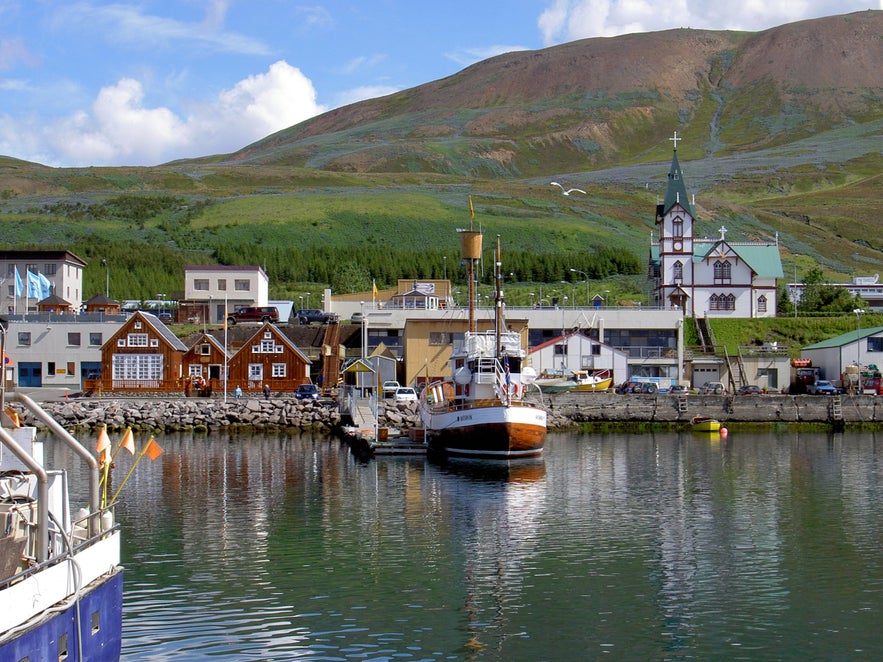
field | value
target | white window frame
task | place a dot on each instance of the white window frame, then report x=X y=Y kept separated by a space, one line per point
x=279 y=370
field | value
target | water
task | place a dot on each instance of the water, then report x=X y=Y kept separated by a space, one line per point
x=651 y=546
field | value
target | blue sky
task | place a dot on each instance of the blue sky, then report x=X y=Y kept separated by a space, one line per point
x=141 y=83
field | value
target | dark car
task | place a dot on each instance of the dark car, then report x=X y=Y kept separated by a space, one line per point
x=254 y=314
x=310 y=315
x=750 y=389
x=637 y=387
x=307 y=392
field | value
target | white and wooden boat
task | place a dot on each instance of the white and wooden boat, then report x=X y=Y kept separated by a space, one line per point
x=579 y=380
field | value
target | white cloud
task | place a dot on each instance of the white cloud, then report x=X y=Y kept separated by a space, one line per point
x=119 y=130
x=567 y=20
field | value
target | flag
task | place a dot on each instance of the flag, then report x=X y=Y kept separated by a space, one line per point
x=19 y=288
x=374 y=286
x=102 y=446
x=34 y=286
x=471 y=210
x=153 y=450
x=508 y=374
x=45 y=286
x=128 y=441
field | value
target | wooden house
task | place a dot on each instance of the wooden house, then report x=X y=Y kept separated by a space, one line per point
x=103 y=305
x=268 y=358
x=143 y=355
x=54 y=304
x=204 y=365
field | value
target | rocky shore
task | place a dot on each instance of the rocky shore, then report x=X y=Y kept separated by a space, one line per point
x=565 y=410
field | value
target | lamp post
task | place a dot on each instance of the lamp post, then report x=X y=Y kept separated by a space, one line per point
x=106 y=277
x=858 y=341
x=586 y=276
x=308 y=299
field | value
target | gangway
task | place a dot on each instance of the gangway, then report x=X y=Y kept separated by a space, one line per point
x=330 y=355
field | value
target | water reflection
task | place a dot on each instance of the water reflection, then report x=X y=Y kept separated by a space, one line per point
x=650 y=546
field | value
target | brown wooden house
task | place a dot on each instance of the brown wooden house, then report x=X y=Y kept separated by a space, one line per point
x=54 y=304
x=204 y=365
x=143 y=355
x=268 y=358
x=102 y=304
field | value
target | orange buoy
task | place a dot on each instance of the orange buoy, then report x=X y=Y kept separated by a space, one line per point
x=724 y=432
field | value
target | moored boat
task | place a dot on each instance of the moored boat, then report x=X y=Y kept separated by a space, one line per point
x=579 y=380
x=61 y=582
x=705 y=424
x=484 y=409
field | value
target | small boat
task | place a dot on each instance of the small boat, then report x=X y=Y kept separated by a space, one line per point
x=579 y=380
x=61 y=582
x=481 y=410
x=705 y=424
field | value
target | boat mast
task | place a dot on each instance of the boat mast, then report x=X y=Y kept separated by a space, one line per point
x=470 y=251
x=498 y=296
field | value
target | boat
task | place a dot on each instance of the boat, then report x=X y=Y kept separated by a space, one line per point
x=485 y=409
x=705 y=424
x=61 y=582
x=579 y=380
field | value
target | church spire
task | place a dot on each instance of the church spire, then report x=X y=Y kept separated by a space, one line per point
x=676 y=191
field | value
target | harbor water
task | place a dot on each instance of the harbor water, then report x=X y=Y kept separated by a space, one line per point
x=670 y=546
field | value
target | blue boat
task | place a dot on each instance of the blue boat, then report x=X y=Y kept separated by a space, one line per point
x=61 y=582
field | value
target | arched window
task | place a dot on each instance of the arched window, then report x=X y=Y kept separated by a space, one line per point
x=731 y=302
x=678 y=271
x=722 y=271
x=713 y=302
x=761 y=304
x=677 y=227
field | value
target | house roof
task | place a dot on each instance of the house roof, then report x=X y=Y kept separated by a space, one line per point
x=162 y=330
x=764 y=259
x=211 y=340
x=51 y=255
x=101 y=299
x=278 y=334
x=846 y=338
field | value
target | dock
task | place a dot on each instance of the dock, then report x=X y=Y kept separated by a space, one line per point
x=388 y=441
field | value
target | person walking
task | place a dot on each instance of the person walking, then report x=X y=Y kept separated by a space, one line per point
x=237 y=392
x=266 y=391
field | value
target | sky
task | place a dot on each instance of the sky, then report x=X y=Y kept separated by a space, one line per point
x=84 y=82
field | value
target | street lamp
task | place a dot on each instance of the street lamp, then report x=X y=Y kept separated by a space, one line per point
x=106 y=277
x=308 y=299
x=858 y=316
x=586 y=276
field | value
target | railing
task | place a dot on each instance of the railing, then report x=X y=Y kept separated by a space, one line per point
x=643 y=352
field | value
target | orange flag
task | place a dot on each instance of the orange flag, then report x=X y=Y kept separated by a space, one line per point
x=153 y=450
x=128 y=441
x=102 y=446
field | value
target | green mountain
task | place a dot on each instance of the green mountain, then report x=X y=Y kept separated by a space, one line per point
x=781 y=138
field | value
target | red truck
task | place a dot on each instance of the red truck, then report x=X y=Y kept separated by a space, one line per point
x=254 y=314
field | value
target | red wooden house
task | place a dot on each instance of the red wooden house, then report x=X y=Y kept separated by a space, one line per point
x=268 y=358
x=204 y=365
x=143 y=355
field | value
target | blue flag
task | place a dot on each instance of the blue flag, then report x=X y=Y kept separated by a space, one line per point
x=34 y=286
x=45 y=287
x=18 y=284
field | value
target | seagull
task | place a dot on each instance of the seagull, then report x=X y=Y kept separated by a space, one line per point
x=567 y=191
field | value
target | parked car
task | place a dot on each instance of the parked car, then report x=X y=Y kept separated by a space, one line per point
x=679 y=389
x=310 y=315
x=357 y=317
x=713 y=388
x=389 y=388
x=822 y=387
x=405 y=394
x=637 y=387
x=165 y=317
x=750 y=389
x=254 y=314
x=307 y=392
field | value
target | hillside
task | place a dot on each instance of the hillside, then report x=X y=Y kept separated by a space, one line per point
x=781 y=136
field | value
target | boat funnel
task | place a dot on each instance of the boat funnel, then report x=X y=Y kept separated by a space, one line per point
x=470 y=244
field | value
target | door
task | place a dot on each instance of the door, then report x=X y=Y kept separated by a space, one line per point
x=30 y=374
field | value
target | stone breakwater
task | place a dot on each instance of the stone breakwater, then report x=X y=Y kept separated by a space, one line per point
x=565 y=410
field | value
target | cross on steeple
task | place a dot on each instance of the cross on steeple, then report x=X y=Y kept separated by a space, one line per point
x=675 y=140
x=723 y=233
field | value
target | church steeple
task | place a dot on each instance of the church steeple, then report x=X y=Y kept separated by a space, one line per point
x=676 y=191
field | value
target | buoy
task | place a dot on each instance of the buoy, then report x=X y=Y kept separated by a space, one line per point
x=724 y=432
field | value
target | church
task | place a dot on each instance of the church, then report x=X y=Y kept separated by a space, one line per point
x=708 y=277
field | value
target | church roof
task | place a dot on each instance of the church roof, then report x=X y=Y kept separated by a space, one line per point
x=764 y=259
x=676 y=190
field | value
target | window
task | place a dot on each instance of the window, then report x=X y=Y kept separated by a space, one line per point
x=50 y=368
x=279 y=370
x=255 y=371
x=24 y=338
x=137 y=367
x=678 y=270
x=205 y=349
x=194 y=370
x=10 y=270
x=50 y=269
x=761 y=304
x=11 y=291
x=772 y=376
x=241 y=285
x=200 y=284
x=73 y=339
x=561 y=350
x=596 y=349
x=222 y=284
x=137 y=340
x=441 y=338
x=96 y=339
x=875 y=344
x=71 y=367
x=677 y=227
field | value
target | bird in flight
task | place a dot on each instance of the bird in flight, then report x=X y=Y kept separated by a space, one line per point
x=567 y=191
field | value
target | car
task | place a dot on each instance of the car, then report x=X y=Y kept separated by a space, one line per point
x=254 y=314
x=310 y=315
x=357 y=317
x=389 y=388
x=822 y=387
x=637 y=387
x=679 y=389
x=405 y=394
x=307 y=392
x=165 y=317
x=713 y=388
x=750 y=389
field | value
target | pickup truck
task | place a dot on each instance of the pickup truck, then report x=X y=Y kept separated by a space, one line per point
x=254 y=314
x=310 y=315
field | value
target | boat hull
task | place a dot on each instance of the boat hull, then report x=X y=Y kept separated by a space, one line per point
x=491 y=432
x=54 y=634
x=708 y=425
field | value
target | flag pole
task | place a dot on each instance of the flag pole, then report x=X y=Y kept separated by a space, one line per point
x=132 y=468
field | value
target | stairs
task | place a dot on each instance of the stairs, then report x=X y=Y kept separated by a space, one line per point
x=331 y=355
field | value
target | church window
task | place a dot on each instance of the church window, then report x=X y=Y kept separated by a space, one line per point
x=677 y=227
x=731 y=302
x=722 y=271
x=761 y=304
x=678 y=270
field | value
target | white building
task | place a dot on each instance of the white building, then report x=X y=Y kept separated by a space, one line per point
x=221 y=288
x=862 y=347
x=61 y=270
x=577 y=351
x=708 y=277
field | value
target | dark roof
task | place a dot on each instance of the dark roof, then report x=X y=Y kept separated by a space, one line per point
x=101 y=299
x=676 y=191
x=52 y=255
